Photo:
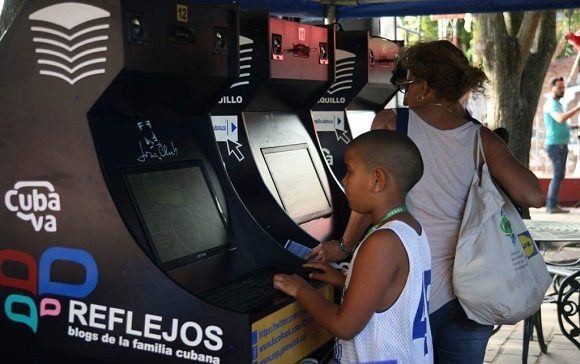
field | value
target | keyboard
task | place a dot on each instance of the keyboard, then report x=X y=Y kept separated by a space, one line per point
x=253 y=292
x=244 y=295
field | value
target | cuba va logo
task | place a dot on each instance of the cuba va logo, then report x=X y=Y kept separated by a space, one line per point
x=34 y=201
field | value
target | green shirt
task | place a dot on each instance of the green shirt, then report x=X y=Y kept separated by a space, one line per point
x=556 y=133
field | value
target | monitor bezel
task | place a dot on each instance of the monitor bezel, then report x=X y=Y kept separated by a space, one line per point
x=190 y=258
x=298 y=146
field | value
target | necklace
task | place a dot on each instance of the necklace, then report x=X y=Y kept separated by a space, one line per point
x=388 y=215
x=448 y=108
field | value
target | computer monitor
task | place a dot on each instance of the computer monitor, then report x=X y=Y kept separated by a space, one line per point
x=180 y=213
x=297 y=182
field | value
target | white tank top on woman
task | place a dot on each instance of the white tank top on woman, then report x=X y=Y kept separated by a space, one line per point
x=437 y=201
x=401 y=333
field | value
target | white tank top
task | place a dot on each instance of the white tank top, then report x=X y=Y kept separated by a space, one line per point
x=438 y=200
x=400 y=334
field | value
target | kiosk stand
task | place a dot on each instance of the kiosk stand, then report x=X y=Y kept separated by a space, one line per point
x=265 y=132
x=364 y=66
x=117 y=215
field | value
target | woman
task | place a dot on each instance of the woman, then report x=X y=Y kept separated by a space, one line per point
x=438 y=75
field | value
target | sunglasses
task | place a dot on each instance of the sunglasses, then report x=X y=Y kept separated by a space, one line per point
x=403 y=86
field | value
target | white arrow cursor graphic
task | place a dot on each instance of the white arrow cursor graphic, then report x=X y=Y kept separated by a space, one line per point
x=234 y=148
x=342 y=135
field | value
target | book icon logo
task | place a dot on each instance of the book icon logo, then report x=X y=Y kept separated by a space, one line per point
x=71 y=40
x=344 y=71
x=246 y=51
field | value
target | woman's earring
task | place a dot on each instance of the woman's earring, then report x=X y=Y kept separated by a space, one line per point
x=420 y=99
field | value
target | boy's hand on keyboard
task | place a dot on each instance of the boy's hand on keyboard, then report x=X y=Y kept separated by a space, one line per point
x=326 y=273
x=289 y=284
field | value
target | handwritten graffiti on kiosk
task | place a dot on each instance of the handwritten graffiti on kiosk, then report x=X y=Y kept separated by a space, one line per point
x=44 y=298
x=150 y=147
x=31 y=200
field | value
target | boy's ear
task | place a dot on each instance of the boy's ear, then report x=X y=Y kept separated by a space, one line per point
x=379 y=177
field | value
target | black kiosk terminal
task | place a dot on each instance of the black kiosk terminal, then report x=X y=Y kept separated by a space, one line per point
x=364 y=67
x=265 y=132
x=119 y=225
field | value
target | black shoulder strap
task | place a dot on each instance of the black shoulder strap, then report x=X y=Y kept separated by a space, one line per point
x=402 y=120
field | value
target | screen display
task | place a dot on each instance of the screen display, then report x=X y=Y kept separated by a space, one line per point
x=297 y=182
x=180 y=212
x=297 y=249
x=359 y=121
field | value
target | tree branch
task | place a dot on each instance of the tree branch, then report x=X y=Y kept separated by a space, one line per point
x=539 y=61
x=494 y=27
x=498 y=22
x=513 y=22
x=526 y=35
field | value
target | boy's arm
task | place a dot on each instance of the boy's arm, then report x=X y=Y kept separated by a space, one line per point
x=372 y=287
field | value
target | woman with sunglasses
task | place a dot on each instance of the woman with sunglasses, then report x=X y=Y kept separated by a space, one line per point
x=438 y=75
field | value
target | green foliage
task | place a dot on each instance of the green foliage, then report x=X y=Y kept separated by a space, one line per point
x=412 y=27
x=568 y=21
x=429 y=31
x=428 y=28
x=465 y=38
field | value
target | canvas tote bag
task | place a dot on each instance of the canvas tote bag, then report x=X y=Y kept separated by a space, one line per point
x=499 y=276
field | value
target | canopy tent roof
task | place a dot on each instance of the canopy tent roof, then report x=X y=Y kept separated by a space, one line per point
x=427 y=7
x=376 y=8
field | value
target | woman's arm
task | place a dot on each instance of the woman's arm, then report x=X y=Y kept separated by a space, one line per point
x=385 y=119
x=358 y=223
x=329 y=251
x=521 y=184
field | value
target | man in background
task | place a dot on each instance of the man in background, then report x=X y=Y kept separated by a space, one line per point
x=557 y=139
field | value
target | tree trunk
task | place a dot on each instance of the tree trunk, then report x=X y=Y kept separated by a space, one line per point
x=517 y=51
x=8 y=13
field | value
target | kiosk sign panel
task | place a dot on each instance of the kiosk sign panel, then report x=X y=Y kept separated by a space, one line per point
x=77 y=279
x=47 y=300
x=288 y=335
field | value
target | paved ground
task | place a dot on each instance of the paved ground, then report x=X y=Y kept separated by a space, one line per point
x=505 y=347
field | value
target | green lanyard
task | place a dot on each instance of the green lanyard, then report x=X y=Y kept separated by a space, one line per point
x=393 y=212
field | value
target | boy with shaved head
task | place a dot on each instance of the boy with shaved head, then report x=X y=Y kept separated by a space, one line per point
x=383 y=315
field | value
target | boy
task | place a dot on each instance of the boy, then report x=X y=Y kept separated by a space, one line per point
x=384 y=311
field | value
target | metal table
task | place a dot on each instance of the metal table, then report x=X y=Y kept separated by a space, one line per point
x=566 y=279
x=553 y=231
